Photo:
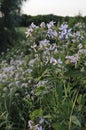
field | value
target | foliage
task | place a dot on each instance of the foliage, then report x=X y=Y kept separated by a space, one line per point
x=43 y=81
x=26 y=20
x=9 y=10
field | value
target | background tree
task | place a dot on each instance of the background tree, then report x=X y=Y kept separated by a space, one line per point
x=9 y=10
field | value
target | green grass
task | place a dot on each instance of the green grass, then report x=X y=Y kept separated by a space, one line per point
x=21 y=32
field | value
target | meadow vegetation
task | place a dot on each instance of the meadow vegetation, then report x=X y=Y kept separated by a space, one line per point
x=43 y=79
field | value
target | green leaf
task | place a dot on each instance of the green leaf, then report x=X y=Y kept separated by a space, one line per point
x=36 y=113
x=2 y=123
x=57 y=126
x=75 y=120
x=40 y=90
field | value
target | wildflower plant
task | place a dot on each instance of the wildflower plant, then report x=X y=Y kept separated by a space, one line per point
x=43 y=85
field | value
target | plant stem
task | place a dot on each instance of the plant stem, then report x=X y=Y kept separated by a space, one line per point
x=70 y=121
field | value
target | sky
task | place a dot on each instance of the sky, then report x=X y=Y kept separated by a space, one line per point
x=57 y=7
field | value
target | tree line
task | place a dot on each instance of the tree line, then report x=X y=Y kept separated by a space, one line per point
x=26 y=20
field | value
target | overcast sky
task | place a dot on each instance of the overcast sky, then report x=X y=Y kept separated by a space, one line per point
x=57 y=7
